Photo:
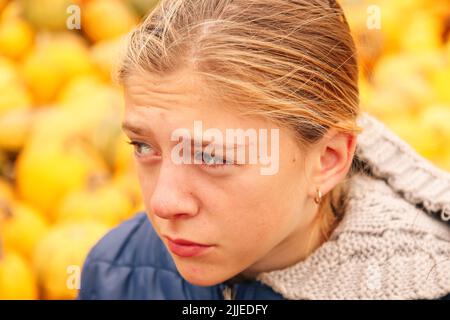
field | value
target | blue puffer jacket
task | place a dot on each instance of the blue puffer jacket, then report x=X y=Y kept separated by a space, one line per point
x=131 y=262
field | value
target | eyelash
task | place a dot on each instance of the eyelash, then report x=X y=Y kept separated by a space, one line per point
x=137 y=144
x=215 y=165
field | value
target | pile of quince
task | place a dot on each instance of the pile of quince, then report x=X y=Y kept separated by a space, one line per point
x=405 y=69
x=66 y=171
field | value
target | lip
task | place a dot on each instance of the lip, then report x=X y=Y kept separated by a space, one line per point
x=185 y=248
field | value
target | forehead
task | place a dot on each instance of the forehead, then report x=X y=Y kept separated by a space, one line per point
x=179 y=89
x=172 y=101
x=177 y=100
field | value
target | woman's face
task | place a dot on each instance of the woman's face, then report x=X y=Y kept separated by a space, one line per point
x=248 y=219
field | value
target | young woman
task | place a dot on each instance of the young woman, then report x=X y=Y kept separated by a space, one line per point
x=308 y=198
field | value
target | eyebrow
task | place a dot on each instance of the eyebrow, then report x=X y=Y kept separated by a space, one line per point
x=128 y=126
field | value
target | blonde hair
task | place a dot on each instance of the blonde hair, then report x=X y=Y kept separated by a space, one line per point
x=292 y=61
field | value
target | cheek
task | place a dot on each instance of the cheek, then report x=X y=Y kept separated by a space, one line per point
x=255 y=219
x=147 y=178
x=267 y=210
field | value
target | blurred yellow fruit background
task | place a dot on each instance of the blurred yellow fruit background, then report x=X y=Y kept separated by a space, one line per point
x=66 y=172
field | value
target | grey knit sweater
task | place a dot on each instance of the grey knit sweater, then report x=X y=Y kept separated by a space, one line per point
x=394 y=240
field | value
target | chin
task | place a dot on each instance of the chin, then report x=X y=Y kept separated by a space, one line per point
x=201 y=277
x=201 y=280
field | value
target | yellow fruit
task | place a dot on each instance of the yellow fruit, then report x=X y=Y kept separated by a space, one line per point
x=6 y=193
x=104 y=137
x=369 y=41
x=6 y=197
x=57 y=124
x=392 y=27
x=140 y=207
x=13 y=94
x=81 y=88
x=396 y=18
x=430 y=133
x=17 y=280
x=437 y=118
x=98 y=120
x=404 y=79
x=16 y=37
x=47 y=14
x=440 y=83
x=143 y=7
x=417 y=89
x=14 y=129
x=441 y=9
x=448 y=50
x=421 y=140
x=47 y=170
x=444 y=160
x=123 y=159
x=55 y=60
x=10 y=9
x=43 y=79
x=87 y=94
x=403 y=65
x=70 y=53
x=105 y=203
x=422 y=33
x=128 y=183
x=8 y=72
x=3 y=4
x=388 y=103
x=107 y=19
x=22 y=227
x=59 y=257
x=106 y=54
x=6 y=166
x=365 y=90
x=98 y=107
x=428 y=62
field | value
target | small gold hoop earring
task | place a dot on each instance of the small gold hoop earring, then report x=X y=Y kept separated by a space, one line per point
x=318 y=196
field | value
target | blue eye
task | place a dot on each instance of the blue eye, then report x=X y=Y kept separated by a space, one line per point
x=141 y=149
x=211 y=160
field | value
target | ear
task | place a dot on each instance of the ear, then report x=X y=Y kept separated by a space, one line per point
x=331 y=160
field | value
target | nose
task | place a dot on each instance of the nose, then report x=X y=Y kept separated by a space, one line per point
x=172 y=196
